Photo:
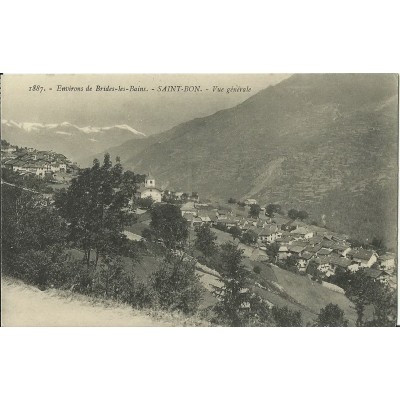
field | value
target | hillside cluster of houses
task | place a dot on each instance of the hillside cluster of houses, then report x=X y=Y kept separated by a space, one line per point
x=328 y=250
x=34 y=162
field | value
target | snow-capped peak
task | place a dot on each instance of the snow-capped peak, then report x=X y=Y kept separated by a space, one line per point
x=36 y=126
x=128 y=128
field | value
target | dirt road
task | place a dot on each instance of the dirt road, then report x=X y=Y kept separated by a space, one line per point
x=23 y=305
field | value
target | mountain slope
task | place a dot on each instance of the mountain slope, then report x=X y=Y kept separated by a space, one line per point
x=73 y=141
x=324 y=143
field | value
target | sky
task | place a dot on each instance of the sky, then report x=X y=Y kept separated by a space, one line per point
x=149 y=112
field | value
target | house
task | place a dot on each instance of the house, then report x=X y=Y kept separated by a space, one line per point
x=283 y=252
x=364 y=258
x=340 y=248
x=297 y=224
x=268 y=233
x=149 y=189
x=188 y=208
x=249 y=202
x=8 y=149
x=303 y=260
x=387 y=261
x=338 y=261
x=207 y=217
x=315 y=240
x=192 y=220
x=377 y=275
x=295 y=250
x=324 y=251
x=303 y=232
x=326 y=267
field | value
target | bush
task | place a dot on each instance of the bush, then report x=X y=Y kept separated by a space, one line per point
x=136 y=293
x=257 y=269
x=249 y=237
x=285 y=317
x=148 y=234
x=43 y=268
x=332 y=315
x=177 y=287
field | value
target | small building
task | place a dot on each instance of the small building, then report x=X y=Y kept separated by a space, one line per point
x=188 y=208
x=283 y=252
x=364 y=258
x=249 y=202
x=303 y=232
x=268 y=234
x=295 y=250
x=377 y=275
x=387 y=261
x=149 y=189
x=303 y=260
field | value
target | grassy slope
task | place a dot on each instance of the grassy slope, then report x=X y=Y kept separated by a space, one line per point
x=299 y=292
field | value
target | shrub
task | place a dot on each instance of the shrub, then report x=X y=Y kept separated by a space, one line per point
x=257 y=269
x=332 y=315
x=285 y=317
x=177 y=287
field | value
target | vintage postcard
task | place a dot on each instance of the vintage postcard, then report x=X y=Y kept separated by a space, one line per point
x=199 y=200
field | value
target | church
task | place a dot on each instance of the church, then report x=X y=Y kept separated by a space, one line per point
x=149 y=189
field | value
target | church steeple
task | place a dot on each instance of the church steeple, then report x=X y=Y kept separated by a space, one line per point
x=150 y=181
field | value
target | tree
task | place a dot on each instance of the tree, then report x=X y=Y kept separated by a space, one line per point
x=331 y=315
x=363 y=291
x=95 y=206
x=302 y=215
x=168 y=224
x=285 y=317
x=254 y=211
x=177 y=286
x=249 y=237
x=205 y=240
x=273 y=250
x=312 y=269
x=236 y=232
x=233 y=295
x=147 y=234
x=231 y=200
x=292 y=213
x=145 y=203
x=30 y=226
x=257 y=269
x=290 y=263
x=271 y=209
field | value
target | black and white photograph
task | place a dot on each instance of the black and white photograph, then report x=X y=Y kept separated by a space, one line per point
x=199 y=200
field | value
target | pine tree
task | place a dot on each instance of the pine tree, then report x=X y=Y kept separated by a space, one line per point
x=233 y=296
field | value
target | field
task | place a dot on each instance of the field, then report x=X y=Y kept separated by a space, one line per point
x=298 y=293
x=312 y=295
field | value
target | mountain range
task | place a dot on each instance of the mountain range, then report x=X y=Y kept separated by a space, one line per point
x=325 y=143
x=71 y=140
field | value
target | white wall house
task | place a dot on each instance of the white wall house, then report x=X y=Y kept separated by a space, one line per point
x=150 y=190
x=364 y=258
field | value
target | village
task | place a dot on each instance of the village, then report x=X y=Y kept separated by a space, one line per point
x=316 y=251
x=54 y=167
x=264 y=236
